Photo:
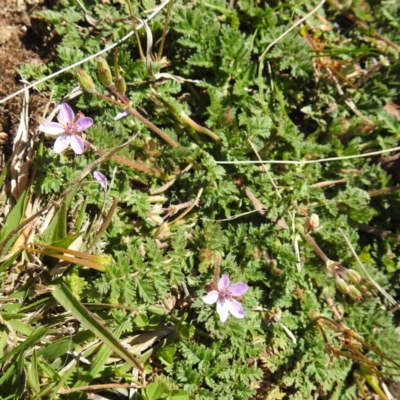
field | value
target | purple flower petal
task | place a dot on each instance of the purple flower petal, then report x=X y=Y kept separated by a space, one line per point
x=223 y=282
x=83 y=123
x=66 y=114
x=77 y=144
x=100 y=178
x=211 y=297
x=120 y=115
x=235 y=308
x=237 y=289
x=222 y=310
x=51 y=128
x=61 y=143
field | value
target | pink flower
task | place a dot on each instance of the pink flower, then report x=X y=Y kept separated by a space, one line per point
x=67 y=129
x=99 y=177
x=224 y=295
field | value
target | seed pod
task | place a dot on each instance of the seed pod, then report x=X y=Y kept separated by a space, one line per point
x=342 y=285
x=104 y=72
x=354 y=293
x=85 y=81
x=120 y=84
x=353 y=276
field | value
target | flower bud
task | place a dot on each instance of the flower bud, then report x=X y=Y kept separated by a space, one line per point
x=353 y=276
x=354 y=293
x=342 y=285
x=120 y=84
x=85 y=81
x=312 y=223
x=277 y=272
x=104 y=72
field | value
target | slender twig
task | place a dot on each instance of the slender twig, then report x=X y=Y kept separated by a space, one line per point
x=135 y=30
x=375 y=231
x=164 y=34
x=328 y=183
x=132 y=164
x=316 y=247
x=384 y=191
x=334 y=309
x=139 y=116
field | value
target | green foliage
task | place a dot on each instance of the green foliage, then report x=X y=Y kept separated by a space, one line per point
x=297 y=103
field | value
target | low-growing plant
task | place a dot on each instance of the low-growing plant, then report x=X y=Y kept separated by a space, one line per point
x=224 y=142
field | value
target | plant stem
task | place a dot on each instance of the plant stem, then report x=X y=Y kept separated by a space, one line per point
x=135 y=30
x=384 y=191
x=132 y=164
x=374 y=231
x=136 y=114
x=316 y=247
x=164 y=34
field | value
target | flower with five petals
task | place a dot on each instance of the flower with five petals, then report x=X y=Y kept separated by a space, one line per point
x=224 y=297
x=67 y=129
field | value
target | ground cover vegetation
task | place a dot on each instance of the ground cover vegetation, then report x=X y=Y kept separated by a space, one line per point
x=143 y=256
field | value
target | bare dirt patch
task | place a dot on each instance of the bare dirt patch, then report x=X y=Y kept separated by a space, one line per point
x=22 y=40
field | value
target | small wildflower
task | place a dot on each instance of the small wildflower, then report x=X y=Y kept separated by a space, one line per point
x=99 y=177
x=67 y=129
x=224 y=297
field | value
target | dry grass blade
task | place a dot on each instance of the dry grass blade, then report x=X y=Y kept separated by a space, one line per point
x=105 y=224
x=73 y=260
x=300 y=21
x=383 y=291
x=93 y=388
x=23 y=152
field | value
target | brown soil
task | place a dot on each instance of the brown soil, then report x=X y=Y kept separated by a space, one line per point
x=23 y=39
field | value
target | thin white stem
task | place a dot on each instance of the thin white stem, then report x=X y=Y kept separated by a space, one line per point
x=374 y=153
x=300 y=21
x=265 y=169
x=61 y=71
